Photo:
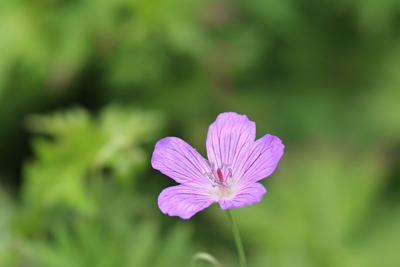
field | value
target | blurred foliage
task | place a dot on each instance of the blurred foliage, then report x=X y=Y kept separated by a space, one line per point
x=112 y=77
x=79 y=209
x=324 y=211
x=67 y=164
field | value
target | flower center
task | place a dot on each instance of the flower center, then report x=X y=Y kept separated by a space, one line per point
x=219 y=177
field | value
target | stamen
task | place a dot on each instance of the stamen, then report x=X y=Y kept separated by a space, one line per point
x=209 y=175
x=212 y=166
x=222 y=183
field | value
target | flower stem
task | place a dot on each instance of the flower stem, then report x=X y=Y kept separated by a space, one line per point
x=206 y=257
x=239 y=245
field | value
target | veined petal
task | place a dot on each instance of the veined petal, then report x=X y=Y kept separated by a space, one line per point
x=246 y=195
x=228 y=139
x=183 y=201
x=175 y=158
x=260 y=160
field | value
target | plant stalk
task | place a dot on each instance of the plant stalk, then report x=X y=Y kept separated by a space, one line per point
x=242 y=257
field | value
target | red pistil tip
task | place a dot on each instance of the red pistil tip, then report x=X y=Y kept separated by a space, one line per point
x=219 y=174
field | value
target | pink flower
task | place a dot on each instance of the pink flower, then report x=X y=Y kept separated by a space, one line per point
x=236 y=163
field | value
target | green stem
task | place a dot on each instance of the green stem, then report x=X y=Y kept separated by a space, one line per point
x=206 y=257
x=239 y=245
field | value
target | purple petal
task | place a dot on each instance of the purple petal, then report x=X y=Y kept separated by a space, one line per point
x=183 y=201
x=246 y=195
x=261 y=159
x=228 y=139
x=175 y=158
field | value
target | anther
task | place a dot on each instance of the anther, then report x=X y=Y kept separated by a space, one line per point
x=222 y=183
x=212 y=166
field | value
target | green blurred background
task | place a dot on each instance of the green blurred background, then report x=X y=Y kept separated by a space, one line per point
x=88 y=87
